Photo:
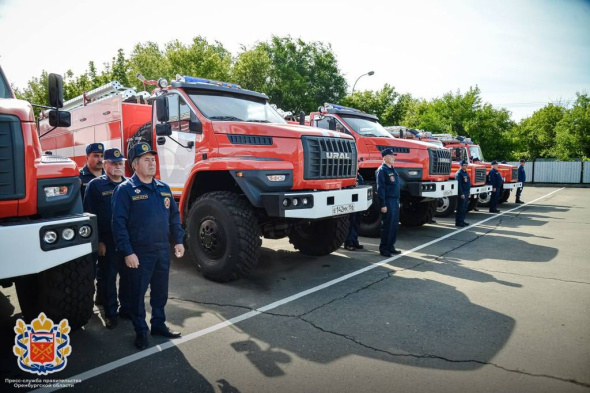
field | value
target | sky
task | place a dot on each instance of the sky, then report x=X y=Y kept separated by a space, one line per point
x=522 y=54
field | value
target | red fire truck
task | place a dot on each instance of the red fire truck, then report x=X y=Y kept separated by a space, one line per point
x=477 y=172
x=46 y=240
x=464 y=149
x=239 y=170
x=423 y=168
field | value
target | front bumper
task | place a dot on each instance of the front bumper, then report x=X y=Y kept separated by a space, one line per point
x=438 y=189
x=25 y=252
x=511 y=186
x=317 y=204
x=476 y=190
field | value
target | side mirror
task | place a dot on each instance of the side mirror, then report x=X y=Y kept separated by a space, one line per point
x=163 y=129
x=195 y=124
x=302 y=118
x=162 y=109
x=332 y=124
x=60 y=119
x=56 y=91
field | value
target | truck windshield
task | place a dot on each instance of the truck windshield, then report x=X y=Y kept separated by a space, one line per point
x=4 y=90
x=235 y=108
x=365 y=127
x=475 y=152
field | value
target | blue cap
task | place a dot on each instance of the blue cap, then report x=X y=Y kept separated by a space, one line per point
x=464 y=163
x=113 y=155
x=386 y=152
x=139 y=150
x=494 y=162
x=94 y=148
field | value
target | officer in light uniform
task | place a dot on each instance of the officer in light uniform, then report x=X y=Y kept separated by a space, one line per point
x=388 y=189
x=495 y=179
x=97 y=200
x=464 y=186
x=94 y=165
x=145 y=219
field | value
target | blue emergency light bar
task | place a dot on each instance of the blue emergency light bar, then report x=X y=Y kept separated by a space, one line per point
x=192 y=79
x=340 y=107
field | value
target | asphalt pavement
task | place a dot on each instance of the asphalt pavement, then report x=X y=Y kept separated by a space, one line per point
x=500 y=306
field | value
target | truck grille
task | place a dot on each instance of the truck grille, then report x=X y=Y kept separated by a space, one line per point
x=12 y=159
x=328 y=158
x=480 y=175
x=514 y=174
x=440 y=161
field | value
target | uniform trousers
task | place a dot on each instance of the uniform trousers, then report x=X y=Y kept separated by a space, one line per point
x=153 y=272
x=389 y=225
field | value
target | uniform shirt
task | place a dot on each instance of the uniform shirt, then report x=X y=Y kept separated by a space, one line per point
x=145 y=216
x=495 y=179
x=463 y=182
x=388 y=184
x=97 y=200
x=521 y=174
x=86 y=176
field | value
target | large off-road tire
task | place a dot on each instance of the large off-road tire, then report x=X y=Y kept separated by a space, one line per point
x=445 y=206
x=415 y=212
x=319 y=237
x=504 y=197
x=64 y=291
x=222 y=236
x=484 y=199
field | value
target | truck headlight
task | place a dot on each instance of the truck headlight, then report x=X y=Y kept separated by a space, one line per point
x=55 y=191
x=50 y=237
x=68 y=234
x=413 y=173
x=85 y=231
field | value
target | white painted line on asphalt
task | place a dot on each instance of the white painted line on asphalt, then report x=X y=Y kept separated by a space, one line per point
x=191 y=336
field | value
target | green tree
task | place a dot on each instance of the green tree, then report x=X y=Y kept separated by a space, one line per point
x=387 y=104
x=147 y=59
x=492 y=129
x=251 y=69
x=303 y=75
x=535 y=136
x=198 y=59
x=572 y=133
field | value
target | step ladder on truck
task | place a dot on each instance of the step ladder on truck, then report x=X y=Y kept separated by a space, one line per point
x=237 y=169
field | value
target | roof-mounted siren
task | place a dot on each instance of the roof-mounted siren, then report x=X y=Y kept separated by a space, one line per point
x=192 y=79
x=328 y=106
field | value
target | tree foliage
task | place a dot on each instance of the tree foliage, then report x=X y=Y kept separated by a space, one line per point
x=300 y=76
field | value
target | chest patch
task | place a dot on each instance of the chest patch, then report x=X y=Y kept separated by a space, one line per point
x=139 y=197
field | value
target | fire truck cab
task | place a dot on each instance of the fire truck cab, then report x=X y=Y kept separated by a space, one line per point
x=424 y=169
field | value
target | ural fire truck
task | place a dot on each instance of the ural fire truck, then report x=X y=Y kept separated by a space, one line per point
x=424 y=169
x=464 y=149
x=45 y=240
x=477 y=172
x=239 y=170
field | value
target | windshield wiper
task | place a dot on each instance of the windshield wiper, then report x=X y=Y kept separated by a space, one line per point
x=226 y=118
x=259 y=121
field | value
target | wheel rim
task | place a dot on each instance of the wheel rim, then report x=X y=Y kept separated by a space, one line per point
x=442 y=204
x=484 y=197
x=211 y=239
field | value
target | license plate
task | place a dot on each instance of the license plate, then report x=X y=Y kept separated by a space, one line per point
x=447 y=192
x=343 y=209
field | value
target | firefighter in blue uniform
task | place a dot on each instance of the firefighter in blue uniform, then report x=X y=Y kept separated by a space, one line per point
x=521 y=178
x=388 y=189
x=97 y=200
x=94 y=165
x=145 y=219
x=495 y=179
x=464 y=186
